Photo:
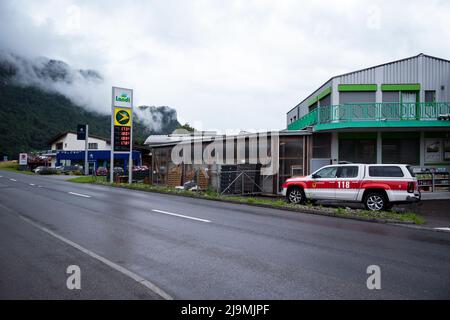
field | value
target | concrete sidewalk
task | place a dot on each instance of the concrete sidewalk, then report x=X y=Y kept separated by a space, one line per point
x=435 y=195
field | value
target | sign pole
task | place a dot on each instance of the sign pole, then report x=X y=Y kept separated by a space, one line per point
x=86 y=147
x=111 y=160
x=130 y=159
x=122 y=128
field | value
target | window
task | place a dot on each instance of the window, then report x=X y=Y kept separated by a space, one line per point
x=312 y=107
x=328 y=172
x=59 y=146
x=430 y=96
x=401 y=151
x=321 y=145
x=290 y=157
x=391 y=96
x=411 y=171
x=347 y=172
x=93 y=146
x=385 y=171
x=358 y=150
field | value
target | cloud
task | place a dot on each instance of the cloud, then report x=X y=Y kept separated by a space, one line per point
x=224 y=64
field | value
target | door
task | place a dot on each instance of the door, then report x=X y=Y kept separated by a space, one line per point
x=323 y=185
x=409 y=104
x=92 y=167
x=347 y=183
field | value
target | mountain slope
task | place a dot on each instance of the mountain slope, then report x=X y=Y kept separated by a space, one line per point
x=30 y=115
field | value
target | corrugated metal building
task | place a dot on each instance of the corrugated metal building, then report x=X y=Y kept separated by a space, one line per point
x=397 y=112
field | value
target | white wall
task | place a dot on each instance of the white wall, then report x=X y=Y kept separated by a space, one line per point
x=70 y=142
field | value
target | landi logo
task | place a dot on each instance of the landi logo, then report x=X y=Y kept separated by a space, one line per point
x=123 y=98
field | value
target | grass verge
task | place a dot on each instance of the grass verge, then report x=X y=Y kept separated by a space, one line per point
x=13 y=167
x=366 y=215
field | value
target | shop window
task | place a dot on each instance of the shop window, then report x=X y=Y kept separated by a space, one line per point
x=290 y=157
x=401 y=151
x=321 y=145
x=358 y=150
x=93 y=146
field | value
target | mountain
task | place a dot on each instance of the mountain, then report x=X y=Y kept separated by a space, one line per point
x=31 y=114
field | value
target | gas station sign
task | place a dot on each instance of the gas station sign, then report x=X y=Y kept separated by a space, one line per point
x=122 y=117
x=122 y=126
x=122 y=138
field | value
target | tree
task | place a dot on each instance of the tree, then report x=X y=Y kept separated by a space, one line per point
x=187 y=127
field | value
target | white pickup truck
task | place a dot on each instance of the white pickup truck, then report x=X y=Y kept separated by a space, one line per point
x=377 y=186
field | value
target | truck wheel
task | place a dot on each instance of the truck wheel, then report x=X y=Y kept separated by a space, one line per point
x=375 y=201
x=296 y=195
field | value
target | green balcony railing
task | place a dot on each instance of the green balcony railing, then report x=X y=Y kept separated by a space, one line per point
x=372 y=112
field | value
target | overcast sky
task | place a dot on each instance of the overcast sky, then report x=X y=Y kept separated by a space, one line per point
x=224 y=64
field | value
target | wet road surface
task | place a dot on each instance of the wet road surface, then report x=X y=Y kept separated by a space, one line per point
x=137 y=245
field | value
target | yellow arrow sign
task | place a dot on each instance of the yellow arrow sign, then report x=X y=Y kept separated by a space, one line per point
x=122 y=117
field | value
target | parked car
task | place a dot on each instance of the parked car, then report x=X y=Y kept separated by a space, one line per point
x=37 y=169
x=72 y=169
x=377 y=186
x=118 y=171
x=47 y=170
x=102 y=171
x=140 y=168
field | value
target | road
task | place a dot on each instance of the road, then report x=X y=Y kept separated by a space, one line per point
x=137 y=245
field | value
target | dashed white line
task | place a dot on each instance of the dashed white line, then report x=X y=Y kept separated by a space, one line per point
x=443 y=228
x=79 y=194
x=180 y=215
x=154 y=288
x=32 y=184
x=13 y=180
x=1 y=176
x=39 y=186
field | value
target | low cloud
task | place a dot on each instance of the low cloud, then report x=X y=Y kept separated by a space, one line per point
x=226 y=64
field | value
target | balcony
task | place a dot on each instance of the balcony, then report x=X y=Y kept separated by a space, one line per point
x=363 y=115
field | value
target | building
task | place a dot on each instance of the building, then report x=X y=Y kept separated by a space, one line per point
x=397 y=112
x=221 y=165
x=66 y=150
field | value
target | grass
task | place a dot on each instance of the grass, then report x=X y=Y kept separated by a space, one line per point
x=384 y=216
x=410 y=217
x=87 y=179
x=12 y=166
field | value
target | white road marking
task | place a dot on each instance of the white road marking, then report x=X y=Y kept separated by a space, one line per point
x=13 y=180
x=109 y=263
x=180 y=215
x=1 y=176
x=79 y=194
x=32 y=184
x=39 y=186
x=443 y=228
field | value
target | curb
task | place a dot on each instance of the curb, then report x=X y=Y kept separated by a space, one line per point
x=409 y=224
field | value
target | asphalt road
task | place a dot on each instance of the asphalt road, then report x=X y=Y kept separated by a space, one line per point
x=136 y=245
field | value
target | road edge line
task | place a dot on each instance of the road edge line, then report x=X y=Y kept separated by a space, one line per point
x=154 y=288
